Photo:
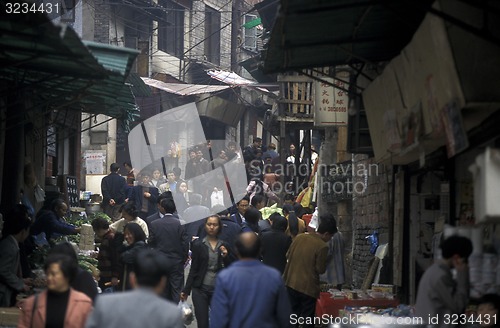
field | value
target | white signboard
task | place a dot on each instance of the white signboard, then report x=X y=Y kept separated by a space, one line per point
x=94 y=162
x=330 y=103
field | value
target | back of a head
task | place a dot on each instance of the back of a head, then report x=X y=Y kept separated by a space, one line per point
x=100 y=224
x=65 y=248
x=196 y=199
x=114 y=167
x=130 y=208
x=279 y=223
x=164 y=195
x=150 y=267
x=177 y=171
x=462 y=246
x=168 y=205
x=327 y=224
x=293 y=221
x=248 y=245
x=252 y=215
x=328 y=217
x=16 y=220
x=289 y=197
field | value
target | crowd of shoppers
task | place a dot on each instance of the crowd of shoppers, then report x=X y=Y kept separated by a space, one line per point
x=243 y=271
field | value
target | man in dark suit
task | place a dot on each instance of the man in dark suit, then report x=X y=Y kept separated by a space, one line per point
x=113 y=188
x=144 y=196
x=142 y=306
x=168 y=236
x=161 y=211
x=242 y=206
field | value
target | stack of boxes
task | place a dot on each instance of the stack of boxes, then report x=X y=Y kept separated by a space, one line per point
x=86 y=238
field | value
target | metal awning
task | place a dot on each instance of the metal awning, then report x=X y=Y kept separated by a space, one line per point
x=318 y=33
x=61 y=71
x=234 y=79
x=184 y=89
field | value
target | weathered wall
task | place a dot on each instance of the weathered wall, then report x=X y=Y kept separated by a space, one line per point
x=371 y=211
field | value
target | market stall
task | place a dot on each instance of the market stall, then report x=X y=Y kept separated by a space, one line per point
x=329 y=305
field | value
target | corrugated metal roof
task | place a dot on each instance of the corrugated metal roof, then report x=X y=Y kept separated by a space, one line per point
x=114 y=59
x=184 y=89
x=318 y=33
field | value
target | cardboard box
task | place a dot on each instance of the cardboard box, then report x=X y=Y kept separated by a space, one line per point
x=383 y=288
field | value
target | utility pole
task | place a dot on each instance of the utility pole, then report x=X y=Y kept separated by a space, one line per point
x=327 y=156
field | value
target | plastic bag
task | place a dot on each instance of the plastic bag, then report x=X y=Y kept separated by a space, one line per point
x=217 y=198
x=39 y=194
x=187 y=312
x=313 y=224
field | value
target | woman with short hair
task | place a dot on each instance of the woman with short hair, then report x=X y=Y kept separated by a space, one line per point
x=209 y=256
x=136 y=241
x=59 y=305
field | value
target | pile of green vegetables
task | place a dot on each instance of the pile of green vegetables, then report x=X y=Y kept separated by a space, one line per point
x=89 y=263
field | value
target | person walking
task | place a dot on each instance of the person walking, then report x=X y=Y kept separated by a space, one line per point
x=209 y=256
x=248 y=293
x=136 y=241
x=142 y=306
x=275 y=244
x=306 y=261
x=169 y=237
x=335 y=267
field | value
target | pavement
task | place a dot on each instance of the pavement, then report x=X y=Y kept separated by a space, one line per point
x=193 y=324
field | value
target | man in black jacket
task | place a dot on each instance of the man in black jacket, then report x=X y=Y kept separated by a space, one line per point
x=113 y=188
x=169 y=237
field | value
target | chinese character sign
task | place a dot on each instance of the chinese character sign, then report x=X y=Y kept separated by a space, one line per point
x=330 y=103
x=94 y=162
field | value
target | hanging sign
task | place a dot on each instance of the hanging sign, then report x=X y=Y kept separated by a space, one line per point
x=330 y=103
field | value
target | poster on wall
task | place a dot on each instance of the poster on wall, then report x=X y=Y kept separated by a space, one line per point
x=330 y=102
x=456 y=136
x=95 y=162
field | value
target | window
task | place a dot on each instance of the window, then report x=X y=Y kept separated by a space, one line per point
x=171 y=29
x=250 y=34
x=212 y=35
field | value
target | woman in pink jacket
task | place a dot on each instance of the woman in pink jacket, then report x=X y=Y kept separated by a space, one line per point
x=59 y=305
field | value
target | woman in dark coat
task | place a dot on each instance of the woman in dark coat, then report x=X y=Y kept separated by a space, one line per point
x=136 y=240
x=209 y=256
